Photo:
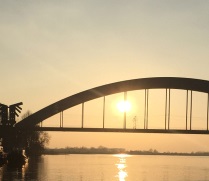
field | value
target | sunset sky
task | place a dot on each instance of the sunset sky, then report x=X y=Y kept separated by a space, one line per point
x=50 y=50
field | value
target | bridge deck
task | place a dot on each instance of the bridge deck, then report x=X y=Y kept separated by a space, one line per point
x=121 y=130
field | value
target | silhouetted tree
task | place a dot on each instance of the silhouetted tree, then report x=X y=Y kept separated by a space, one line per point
x=34 y=142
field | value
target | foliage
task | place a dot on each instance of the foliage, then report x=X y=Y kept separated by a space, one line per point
x=34 y=142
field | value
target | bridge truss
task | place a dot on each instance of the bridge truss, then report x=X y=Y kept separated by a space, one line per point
x=167 y=83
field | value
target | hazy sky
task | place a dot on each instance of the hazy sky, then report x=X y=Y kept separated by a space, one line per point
x=53 y=49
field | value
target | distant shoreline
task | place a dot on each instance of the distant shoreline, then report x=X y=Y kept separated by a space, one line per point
x=104 y=150
x=126 y=153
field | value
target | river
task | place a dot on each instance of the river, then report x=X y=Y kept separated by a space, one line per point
x=110 y=168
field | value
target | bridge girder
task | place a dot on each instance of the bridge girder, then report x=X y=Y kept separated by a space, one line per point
x=108 y=89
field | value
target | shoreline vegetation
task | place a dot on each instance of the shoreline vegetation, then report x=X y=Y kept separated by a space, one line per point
x=104 y=150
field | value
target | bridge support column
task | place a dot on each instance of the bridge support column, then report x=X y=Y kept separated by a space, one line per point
x=8 y=135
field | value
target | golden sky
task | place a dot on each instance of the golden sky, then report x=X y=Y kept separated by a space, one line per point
x=53 y=49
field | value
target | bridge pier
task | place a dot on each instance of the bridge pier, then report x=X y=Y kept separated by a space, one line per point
x=8 y=135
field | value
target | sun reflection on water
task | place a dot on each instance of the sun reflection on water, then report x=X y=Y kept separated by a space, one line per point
x=121 y=165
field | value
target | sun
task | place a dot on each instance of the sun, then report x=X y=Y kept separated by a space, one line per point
x=124 y=106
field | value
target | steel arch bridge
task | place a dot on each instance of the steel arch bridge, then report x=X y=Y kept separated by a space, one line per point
x=167 y=83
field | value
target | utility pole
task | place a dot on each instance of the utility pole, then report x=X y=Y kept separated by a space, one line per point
x=134 y=122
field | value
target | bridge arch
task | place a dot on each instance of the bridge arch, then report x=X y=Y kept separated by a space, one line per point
x=117 y=87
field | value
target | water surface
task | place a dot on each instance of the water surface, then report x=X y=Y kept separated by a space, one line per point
x=110 y=167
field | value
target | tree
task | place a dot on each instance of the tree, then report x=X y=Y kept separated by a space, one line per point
x=34 y=142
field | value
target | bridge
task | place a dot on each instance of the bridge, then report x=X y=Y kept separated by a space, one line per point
x=187 y=85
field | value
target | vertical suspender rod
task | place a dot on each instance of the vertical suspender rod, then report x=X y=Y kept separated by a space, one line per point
x=169 y=107
x=103 y=111
x=191 y=112
x=186 y=108
x=125 y=99
x=166 y=109
x=207 y=111
x=145 y=107
x=61 y=119
x=82 y=115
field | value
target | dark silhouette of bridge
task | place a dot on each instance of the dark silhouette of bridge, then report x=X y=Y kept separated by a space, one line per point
x=167 y=83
